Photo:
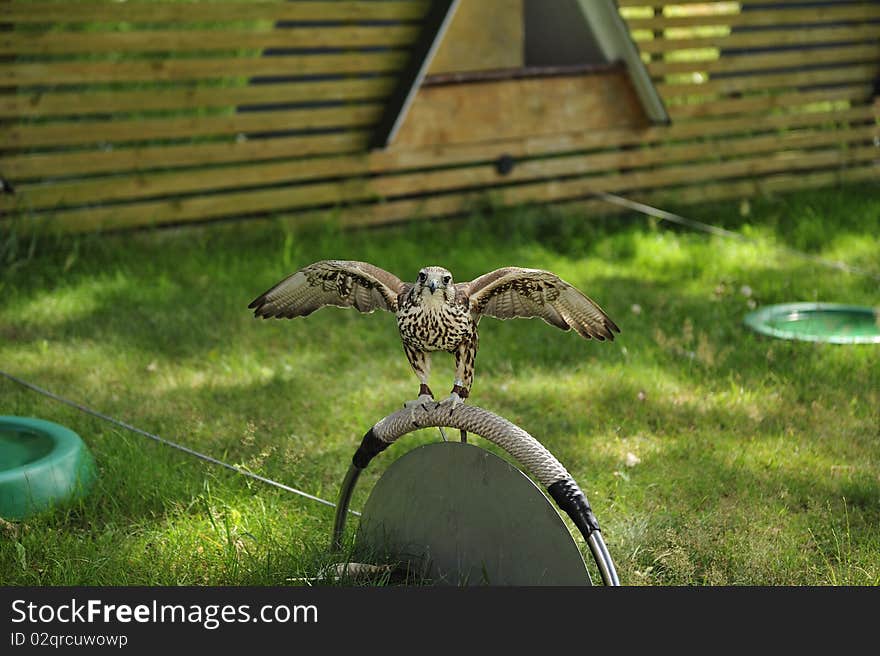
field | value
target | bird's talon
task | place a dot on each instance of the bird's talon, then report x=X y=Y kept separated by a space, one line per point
x=454 y=400
x=422 y=400
x=417 y=404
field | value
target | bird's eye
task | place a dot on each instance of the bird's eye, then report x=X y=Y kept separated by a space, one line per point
x=423 y=276
x=446 y=279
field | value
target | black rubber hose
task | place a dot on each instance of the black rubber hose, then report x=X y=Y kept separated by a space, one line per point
x=571 y=499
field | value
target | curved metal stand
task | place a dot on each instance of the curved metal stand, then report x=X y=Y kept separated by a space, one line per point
x=524 y=448
x=348 y=483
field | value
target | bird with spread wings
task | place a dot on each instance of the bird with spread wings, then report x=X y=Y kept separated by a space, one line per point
x=434 y=313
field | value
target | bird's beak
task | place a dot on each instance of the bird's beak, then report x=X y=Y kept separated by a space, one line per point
x=432 y=286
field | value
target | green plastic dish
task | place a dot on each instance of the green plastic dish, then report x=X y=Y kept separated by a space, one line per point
x=42 y=465
x=818 y=322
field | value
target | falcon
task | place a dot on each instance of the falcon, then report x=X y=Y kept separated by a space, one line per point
x=434 y=313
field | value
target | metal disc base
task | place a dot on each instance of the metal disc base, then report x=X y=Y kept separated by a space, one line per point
x=461 y=515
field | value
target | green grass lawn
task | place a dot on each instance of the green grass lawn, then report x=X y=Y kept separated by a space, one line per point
x=710 y=454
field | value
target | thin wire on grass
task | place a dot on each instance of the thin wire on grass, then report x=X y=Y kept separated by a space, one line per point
x=727 y=234
x=162 y=440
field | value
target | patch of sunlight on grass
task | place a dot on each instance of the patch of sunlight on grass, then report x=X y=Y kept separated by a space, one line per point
x=662 y=253
x=857 y=250
x=800 y=462
x=166 y=378
x=212 y=536
x=58 y=305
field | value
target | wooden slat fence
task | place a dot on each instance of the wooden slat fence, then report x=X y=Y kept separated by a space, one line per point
x=116 y=115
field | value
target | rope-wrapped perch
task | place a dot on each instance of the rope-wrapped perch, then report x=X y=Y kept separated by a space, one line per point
x=525 y=449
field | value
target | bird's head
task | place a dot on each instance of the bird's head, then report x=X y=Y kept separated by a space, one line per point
x=435 y=284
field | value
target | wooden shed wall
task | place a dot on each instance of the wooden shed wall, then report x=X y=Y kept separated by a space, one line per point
x=128 y=114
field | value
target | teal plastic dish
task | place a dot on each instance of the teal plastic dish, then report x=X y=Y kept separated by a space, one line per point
x=42 y=465
x=818 y=322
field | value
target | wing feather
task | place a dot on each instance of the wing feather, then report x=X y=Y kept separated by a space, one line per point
x=516 y=292
x=340 y=283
